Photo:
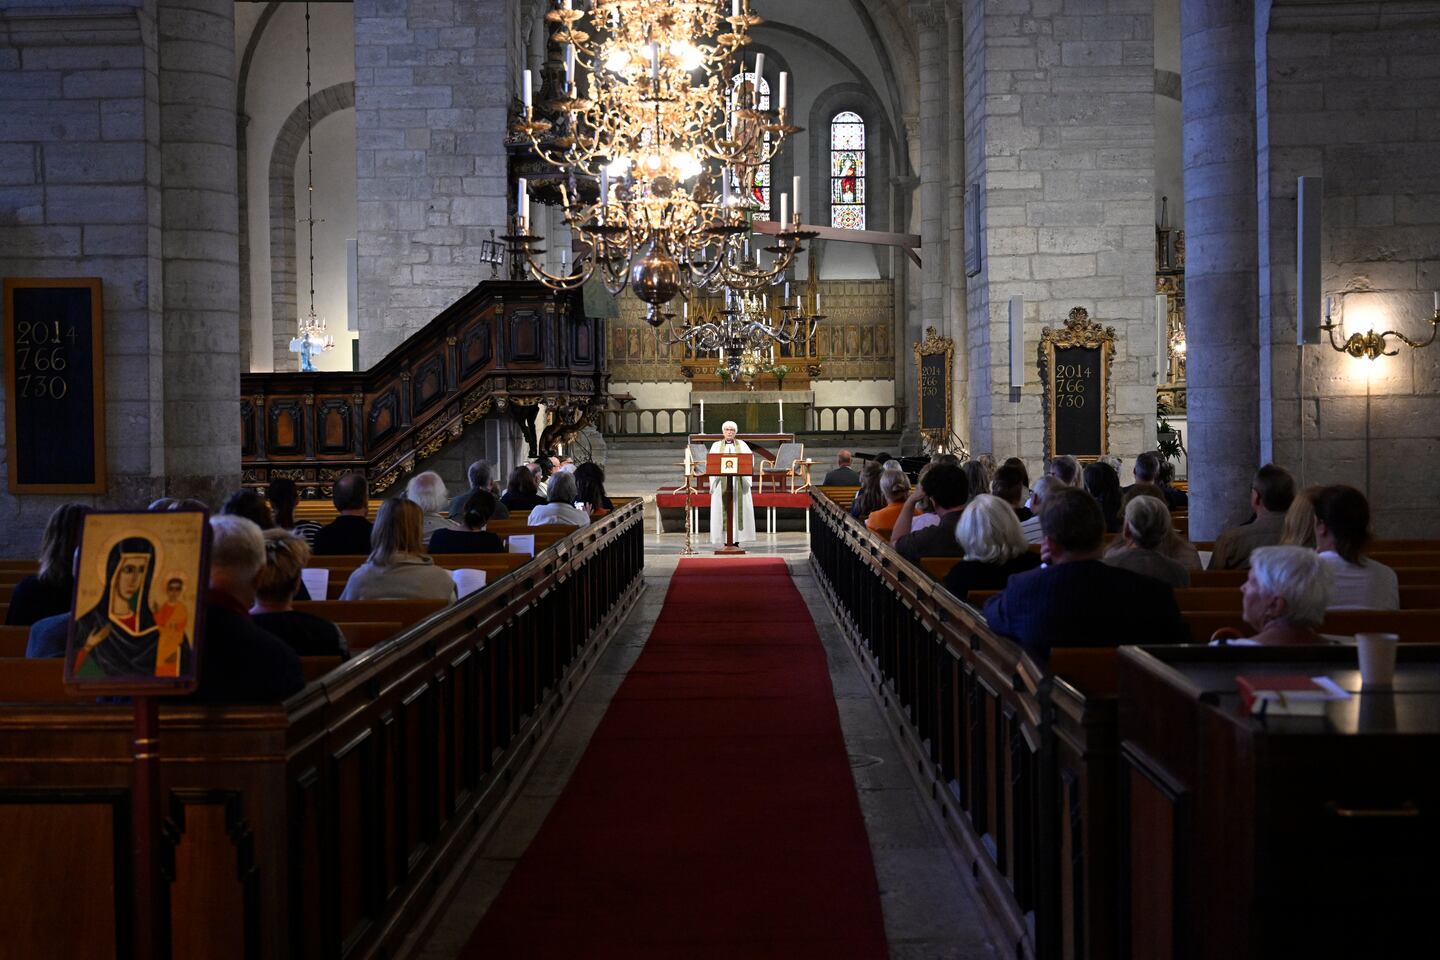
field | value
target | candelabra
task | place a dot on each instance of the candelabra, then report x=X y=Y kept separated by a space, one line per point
x=1371 y=344
x=657 y=135
x=312 y=337
x=746 y=326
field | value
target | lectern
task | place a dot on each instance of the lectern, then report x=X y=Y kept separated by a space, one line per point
x=727 y=467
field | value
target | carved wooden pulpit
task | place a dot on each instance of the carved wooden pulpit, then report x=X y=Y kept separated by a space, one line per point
x=729 y=466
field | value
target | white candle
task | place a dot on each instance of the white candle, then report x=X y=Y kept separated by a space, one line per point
x=780 y=405
x=734 y=8
x=702 y=414
x=522 y=203
x=784 y=208
x=1327 y=309
x=569 y=67
x=817 y=301
x=784 y=88
x=725 y=187
x=759 y=72
x=655 y=63
x=795 y=191
x=525 y=90
x=604 y=187
x=1437 y=301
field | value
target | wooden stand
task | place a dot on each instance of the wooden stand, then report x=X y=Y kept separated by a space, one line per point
x=151 y=937
x=729 y=465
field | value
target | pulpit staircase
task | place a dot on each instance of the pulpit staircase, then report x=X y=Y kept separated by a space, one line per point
x=506 y=347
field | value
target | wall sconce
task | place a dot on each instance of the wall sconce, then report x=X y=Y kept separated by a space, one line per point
x=1371 y=344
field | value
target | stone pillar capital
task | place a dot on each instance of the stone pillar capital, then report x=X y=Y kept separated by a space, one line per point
x=928 y=15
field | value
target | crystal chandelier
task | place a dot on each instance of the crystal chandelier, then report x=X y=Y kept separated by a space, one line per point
x=312 y=337
x=748 y=327
x=657 y=137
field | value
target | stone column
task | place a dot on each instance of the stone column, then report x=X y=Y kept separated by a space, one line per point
x=934 y=149
x=1217 y=55
x=957 y=305
x=199 y=244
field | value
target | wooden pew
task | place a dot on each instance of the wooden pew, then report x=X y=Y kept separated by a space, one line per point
x=1413 y=626
x=22 y=565
x=844 y=496
x=1093 y=671
x=404 y=612
x=363 y=636
x=23 y=680
x=7 y=590
x=1416 y=597
x=13 y=641
x=495 y=565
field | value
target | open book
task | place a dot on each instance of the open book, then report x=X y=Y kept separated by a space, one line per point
x=522 y=543
x=467 y=581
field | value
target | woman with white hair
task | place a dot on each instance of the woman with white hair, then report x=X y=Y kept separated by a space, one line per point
x=731 y=494
x=1285 y=596
x=427 y=491
x=995 y=549
x=561 y=507
x=1143 y=534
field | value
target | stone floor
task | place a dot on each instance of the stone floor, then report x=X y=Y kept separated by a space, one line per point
x=928 y=909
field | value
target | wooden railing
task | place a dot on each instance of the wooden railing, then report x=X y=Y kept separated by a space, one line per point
x=1022 y=763
x=327 y=826
x=505 y=346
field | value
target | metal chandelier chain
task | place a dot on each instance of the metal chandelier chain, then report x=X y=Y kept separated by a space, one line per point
x=657 y=137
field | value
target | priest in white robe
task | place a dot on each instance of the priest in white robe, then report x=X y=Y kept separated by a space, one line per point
x=731 y=492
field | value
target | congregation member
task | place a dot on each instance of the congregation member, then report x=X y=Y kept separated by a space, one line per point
x=1077 y=600
x=482 y=477
x=977 y=477
x=398 y=568
x=1102 y=482
x=1066 y=469
x=1342 y=531
x=590 y=489
x=944 y=485
x=1148 y=468
x=1174 y=546
x=1177 y=499
x=922 y=512
x=239 y=661
x=1146 y=527
x=427 y=491
x=523 y=491
x=1298 y=530
x=1009 y=484
x=349 y=533
x=1271 y=494
x=895 y=488
x=1284 y=597
x=474 y=538
x=1019 y=464
x=868 y=497
x=1042 y=490
x=284 y=497
x=274 y=609
x=250 y=505
x=988 y=536
x=842 y=475
x=560 y=507
x=47 y=592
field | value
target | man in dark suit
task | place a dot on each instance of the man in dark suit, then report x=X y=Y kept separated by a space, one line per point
x=947 y=488
x=1077 y=600
x=842 y=475
x=481 y=477
x=1148 y=469
x=349 y=533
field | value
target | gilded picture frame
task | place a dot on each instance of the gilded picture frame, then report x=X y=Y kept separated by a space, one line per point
x=934 y=345
x=1079 y=331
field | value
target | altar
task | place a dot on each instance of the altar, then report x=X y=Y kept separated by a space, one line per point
x=754 y=411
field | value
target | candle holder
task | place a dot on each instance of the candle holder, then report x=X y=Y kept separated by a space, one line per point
x=1372 y=345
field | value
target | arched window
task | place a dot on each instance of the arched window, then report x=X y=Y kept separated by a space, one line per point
x=759 y=191
x=847 y=171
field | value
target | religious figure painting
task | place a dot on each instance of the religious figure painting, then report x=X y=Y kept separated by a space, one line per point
x=138 y=602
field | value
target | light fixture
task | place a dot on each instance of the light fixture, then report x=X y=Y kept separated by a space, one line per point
x=655 y=137
x=1371 y=344
x=747 y=329
x=312 y=338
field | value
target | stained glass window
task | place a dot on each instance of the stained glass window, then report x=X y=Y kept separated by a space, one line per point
x=759 y=190
x=847 y=171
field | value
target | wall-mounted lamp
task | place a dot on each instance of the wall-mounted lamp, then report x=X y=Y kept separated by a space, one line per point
x=1371 y=344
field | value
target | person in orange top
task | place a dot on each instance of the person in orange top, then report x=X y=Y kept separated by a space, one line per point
x=895 y=487
x=172 y=617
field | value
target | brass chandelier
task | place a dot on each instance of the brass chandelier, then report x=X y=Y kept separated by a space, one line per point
x=658 y=135
x=748 y=326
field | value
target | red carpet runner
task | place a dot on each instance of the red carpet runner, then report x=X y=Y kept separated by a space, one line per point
x=713 y=814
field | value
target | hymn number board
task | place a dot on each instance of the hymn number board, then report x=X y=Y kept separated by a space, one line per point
x=1075 y=376
x=934 y=357
x=54 y=385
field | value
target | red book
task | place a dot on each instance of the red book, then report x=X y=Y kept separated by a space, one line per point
x=1292 y=695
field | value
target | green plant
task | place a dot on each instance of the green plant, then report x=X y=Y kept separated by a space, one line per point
x=723 y=372
x=781 y=371
x=1167 y=440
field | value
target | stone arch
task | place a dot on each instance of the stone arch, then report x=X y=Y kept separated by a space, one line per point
x=242 y=178
x=283 y=156
x=880 y=145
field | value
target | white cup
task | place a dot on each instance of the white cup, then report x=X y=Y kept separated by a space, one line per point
x=1377 y=658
